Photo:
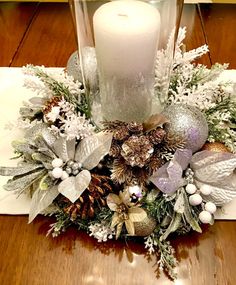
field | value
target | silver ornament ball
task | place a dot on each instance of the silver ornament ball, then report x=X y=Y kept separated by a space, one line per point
x=73 y=67
x=189 y=123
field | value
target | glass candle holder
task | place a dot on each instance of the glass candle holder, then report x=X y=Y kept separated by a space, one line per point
x=118 y=43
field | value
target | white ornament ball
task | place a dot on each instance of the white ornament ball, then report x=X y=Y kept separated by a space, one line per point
x=210 y=207
x=205 y=217
x=191 y=188
x=205 y=189
x=57 y=172
x=195 y=199
x=136 y=190
x=57 y=162
x=64 y=175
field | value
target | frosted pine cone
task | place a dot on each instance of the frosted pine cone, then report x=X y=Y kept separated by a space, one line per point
x=135 y=128
x=137 y=150
x=53 y=102
x=121 y=133
x=118 y=128
x=157 y=136
x=154 y=163
x=115 y=150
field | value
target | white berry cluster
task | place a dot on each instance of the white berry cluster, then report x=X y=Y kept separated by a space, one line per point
x=196 y=199
x=101 y=232
x=61 y=171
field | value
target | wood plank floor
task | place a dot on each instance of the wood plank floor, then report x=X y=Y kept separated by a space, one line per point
x=36 y=25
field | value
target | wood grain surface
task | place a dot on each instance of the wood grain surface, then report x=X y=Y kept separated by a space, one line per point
x=220 y=23
x=43 y=34
x=15 y=19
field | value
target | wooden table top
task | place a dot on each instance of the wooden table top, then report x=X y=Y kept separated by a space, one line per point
x=43 y=34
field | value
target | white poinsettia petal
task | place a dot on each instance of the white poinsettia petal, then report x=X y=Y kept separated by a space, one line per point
x=82 y=180
x=67 y=188
x=217 y=171
x=65 y=149
x=73 y=187
x=137 y=214
x=41 y=200
x=92 y=149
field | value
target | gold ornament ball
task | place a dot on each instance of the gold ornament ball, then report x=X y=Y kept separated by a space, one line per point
x=145 y=228
x=215 y=147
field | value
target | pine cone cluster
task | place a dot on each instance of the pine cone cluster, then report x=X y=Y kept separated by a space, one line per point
x=92 y=198
x=136 y=148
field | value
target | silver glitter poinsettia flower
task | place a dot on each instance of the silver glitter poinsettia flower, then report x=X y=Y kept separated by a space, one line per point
x=77 y=161
x=216 y=172
x=54 y=165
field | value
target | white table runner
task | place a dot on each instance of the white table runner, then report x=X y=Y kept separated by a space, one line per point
x=12 y=93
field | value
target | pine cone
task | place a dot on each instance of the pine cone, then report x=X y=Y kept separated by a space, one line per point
x=154 y=163
x=157 y=136
x=93 y=197
x=113 y=125
x=124 y=173
x=137 y=150
x=118 y=128
x=172 y=142
x=121 y=133
x=53 y=102
x=135 y=128
x=115 y=149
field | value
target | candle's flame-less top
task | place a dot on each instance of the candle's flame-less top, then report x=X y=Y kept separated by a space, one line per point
x=127 y=17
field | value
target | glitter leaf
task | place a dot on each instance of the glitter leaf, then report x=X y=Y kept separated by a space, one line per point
x=92 y=149
x=65 y=149
x=41 y=200
x=73 y=187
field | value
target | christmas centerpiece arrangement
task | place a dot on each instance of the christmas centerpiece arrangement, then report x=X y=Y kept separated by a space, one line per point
x=166 y=174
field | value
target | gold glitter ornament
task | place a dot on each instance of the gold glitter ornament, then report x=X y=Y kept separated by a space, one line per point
x=144 y=228
x=215 y=146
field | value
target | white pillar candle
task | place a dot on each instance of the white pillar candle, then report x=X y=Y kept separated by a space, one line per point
x=126 y=38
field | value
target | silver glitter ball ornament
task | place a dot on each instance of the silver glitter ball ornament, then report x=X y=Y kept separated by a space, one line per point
x=189 y=123
x=73 y=67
